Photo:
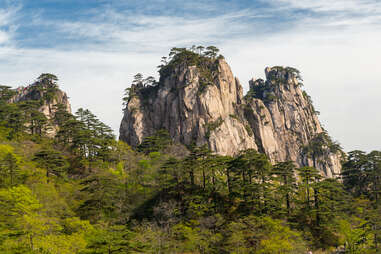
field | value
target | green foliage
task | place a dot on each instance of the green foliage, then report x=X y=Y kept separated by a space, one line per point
x=235 y=117
x=212 y=126
x=282 y=74
x=321 y=145
x=362 y=178
x=262 y=90
x=310 y=102
x=253 y=234
x=355 y=236
x=205 y=61
x=85 y=135
x=6 y=93
x=24 y=116
x=277 y=76
x=146 y=88
x=284 y=173
x=158 y=142
x=52 y=161
x=249 y=130
x=47 y=77
x=9 y=170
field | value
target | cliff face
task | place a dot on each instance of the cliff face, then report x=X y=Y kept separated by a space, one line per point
x=285 y=123
x=48 y=96
x=191 y=113
x=207 y=107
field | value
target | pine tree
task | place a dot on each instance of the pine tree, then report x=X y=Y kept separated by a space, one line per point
x=157 y=142
x=250 y=180
x=285 y=174
x=308 y=176
x=9 y=170
x=211 y=51
x=52 y=161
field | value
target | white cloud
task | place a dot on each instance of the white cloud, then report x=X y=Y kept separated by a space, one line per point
x=352 y=6
x=145 y=32
x=4 y=37
x=7 y=28
x=337 y=13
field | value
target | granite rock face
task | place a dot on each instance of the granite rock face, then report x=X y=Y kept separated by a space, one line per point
x=285 y=123
x=189 y=114
x=275 y=117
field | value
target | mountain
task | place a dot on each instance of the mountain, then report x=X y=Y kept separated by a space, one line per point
x=199 y=101
x=46 y=95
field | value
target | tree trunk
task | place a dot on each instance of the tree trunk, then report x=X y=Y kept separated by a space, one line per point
x=191 y=175
x=264 y=194
x=203 y=179
x=228 y=181
x=316 y=197
x=287 y=196
x=308 y=193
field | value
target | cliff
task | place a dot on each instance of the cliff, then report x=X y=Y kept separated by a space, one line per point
x=199 y=101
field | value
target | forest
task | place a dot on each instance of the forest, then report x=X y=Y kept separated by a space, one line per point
x=83 y=191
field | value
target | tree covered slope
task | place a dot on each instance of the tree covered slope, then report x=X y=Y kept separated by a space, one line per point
x=82 y=191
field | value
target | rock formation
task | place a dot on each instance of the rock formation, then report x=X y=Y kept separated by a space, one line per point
x=201 y=102
x=47 y=93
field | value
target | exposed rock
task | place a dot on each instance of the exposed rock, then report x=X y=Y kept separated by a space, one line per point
x=285 y=123
x=189 y=114
x=276 y=117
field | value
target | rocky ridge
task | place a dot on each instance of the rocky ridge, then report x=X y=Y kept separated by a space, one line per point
x=202 y=103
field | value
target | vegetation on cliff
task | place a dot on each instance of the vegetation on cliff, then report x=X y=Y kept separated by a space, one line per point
x=205 y=59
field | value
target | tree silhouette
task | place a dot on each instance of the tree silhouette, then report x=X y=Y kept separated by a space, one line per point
x=211 y=51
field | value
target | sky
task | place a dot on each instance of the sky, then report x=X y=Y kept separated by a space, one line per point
x=96 y=46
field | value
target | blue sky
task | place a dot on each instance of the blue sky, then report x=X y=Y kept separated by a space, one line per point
x=96 y=46
x=71 y=24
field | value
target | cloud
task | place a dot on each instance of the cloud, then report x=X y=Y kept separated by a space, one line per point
x=4 y=21
x=350 y=6
x=337 y=13
x=147 y=32
x=7 y=27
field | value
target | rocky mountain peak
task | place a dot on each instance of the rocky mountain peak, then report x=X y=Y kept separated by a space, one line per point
x=45 y=91
x=199 y=101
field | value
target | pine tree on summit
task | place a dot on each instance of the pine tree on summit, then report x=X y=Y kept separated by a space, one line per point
x=47 y=77
x=211 y=51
